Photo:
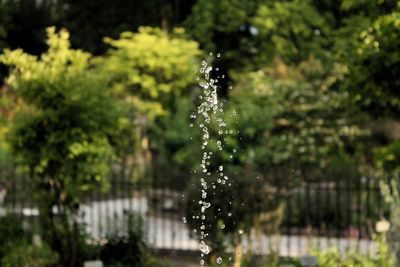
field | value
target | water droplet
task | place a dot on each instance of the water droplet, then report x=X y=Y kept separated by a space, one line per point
x=223 y=226
x=184 y=219
x=204 y=248
x=211 y=54
x=218 y=55
x=221 y=168
x=240 y=231
x=219 y=260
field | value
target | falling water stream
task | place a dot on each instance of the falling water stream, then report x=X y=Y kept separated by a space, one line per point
x=209 y=108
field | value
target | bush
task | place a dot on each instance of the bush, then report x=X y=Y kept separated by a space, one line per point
x=333 y=258
x=11 y=231
x=63 y=134
x=126 y=245
x=28 y=255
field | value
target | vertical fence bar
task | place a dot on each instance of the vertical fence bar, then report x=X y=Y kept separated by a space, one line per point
x=368 y=211
x=318 y=210
x=349 y=213
x=289 y=217
x=309 y=228
x=337 y=211
x=13 y=189
x=299 y=234
x=359 y=211
x=90 y=202
x=99 y=213
x=329 y=209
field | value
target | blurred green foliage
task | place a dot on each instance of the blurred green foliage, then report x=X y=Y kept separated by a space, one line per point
x=125 y=243
x=28 y=255
x=11 y=232
x=312 y=80
x=332 y=257
x=63 y=129
x=151 y=68
x=63 y=134
x=295 y=117
x=374 y=73
x=148 y=72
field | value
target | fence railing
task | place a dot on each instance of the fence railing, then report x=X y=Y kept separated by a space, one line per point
x=316 y=215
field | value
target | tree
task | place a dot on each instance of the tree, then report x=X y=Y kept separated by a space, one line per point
x=149 y=70
x=286 y=126
x=374 y=70
x=64 y=134
x=292 y=30
x=301 y=119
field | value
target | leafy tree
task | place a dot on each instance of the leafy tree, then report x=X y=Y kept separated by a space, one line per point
x=148 y=71
x=285 y=125
x=303 y=119
x=175 y=147
x=10 y=103
x=64 y=134
x=152 y=65
x=226 y=26
x=213 y=21
x=374 y=73
x=292 y=30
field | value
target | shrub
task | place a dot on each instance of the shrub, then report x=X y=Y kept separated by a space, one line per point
x=333 y=258
x=27 y=255
x=64 y=134
x=126 y=245
x=10 y=231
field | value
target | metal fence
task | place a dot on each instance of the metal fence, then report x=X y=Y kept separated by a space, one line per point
x=317 y=214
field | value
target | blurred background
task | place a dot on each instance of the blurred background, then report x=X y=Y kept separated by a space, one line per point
x=98 y=159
